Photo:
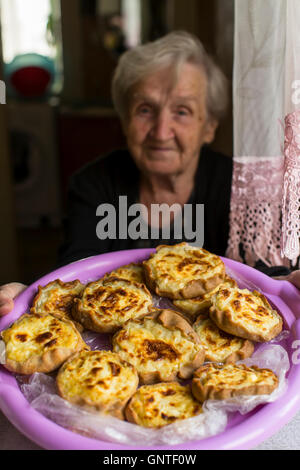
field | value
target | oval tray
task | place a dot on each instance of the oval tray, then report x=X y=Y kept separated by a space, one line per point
x=242 y=432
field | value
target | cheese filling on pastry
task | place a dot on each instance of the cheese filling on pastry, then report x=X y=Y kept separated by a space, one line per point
x=149 y=346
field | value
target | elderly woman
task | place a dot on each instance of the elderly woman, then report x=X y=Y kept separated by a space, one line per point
x=170 y=96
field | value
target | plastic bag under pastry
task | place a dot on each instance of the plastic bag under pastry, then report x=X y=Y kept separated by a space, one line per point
x=40 y=391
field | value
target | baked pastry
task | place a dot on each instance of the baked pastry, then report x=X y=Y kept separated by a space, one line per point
x=155 y=406
x=162 y=346
x=245 y=314
x=200 y=304
x=58 y=297
x=98 y=381
x=133 y=272
x=182 y=271
x=216 y=382
x=105 y=305
x=40 y=343
x=220 y=346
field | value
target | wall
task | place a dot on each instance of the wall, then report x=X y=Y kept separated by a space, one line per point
x=224 y=40
x=8 y=247
x=213 y=22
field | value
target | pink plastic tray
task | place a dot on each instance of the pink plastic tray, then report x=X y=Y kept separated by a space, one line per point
x=242 y=432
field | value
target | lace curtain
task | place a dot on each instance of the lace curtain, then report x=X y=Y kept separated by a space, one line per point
x=265 y=201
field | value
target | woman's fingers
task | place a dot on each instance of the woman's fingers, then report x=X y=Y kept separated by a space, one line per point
x=6 y=306
x=294 y=278
x=7 y=294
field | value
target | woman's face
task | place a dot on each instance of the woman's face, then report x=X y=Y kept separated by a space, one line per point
x=167 y=125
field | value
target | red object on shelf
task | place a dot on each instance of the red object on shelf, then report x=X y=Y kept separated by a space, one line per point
x=31 y=81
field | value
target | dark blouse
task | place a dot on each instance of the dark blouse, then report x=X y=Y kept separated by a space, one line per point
x=113 y=175
x=106 y=178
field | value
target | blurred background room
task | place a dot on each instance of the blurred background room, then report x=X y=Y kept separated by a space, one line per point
x=57 y=58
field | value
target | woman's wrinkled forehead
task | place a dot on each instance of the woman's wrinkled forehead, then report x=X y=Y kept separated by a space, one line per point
x=187 y=81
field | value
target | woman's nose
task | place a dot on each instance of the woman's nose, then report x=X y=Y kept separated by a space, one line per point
x=162 y=127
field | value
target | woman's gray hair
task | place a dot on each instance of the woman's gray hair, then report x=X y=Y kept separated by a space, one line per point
x=176 y=49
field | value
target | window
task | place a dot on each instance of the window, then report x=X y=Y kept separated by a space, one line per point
x=123 y=18
x=131 y=10
x=31 y=26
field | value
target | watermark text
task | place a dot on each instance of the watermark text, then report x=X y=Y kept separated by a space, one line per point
x=2 y=92
x=132 y=222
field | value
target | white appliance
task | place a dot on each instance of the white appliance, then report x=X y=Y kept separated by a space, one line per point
x=34 y=162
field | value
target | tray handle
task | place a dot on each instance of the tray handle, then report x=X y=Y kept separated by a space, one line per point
x=291 y=296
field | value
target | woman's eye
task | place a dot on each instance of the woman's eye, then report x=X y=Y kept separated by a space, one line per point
x=144 y=110
x=183 y=112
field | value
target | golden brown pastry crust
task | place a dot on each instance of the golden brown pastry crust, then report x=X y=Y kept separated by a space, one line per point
x=248 y=315
x=155 y=406
x=40 y=343
x=219 y=345
x=217 y=382
x=105 y=305
x=162 y=346
x=98 y=381
x=58 y=297
x=133 y=272
x=200 y=271
x=202 y=303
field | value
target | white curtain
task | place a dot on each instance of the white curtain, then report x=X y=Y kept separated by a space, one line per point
x=265 y=215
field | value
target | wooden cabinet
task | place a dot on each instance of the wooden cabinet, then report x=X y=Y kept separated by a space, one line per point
x=84 y=135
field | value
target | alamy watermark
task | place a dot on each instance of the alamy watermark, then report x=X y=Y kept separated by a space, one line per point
x=296 y=353
x=2 y=92
x=186 y=222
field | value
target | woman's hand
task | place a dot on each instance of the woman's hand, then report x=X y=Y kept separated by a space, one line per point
x=293 y=277
x=7 y=294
